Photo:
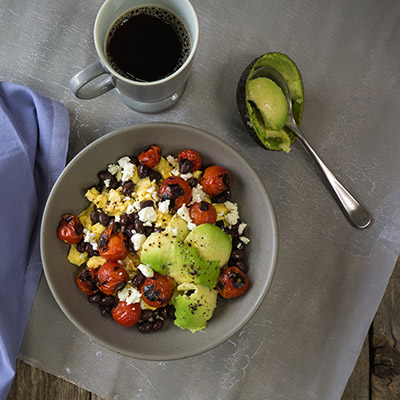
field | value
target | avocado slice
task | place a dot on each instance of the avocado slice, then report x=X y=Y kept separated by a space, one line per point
x=194 y=306
x=253 y=119
x=187 y=265
x=197 y=259
x=212 y=243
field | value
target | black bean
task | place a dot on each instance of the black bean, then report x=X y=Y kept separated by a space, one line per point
x=237 y=243
x=138 y=279
x=237 y=255
x=146 y=203
x=104 y=311
x=154 y=175
x=185 y=166
x=143 y=171
x=127 y=188
x=171 y=311
x=148 y=230
x=164 y=312
x=222 y=197
x=89 y=249
x=129 y=246
x=99 y=186
x=138 y=226
x=113 y=183
x=147 y=314
x=134 y=160
x=158 y=324
x=124 y=220
x=107 y=301
x=242 y=266
x=104 y=219
x=103 y=175
x=94 y=298
x=128 y=230
x=220 y=224
x=145 y=327
x=229 y=232
x=192 y=182
x=94 y=216
x=81 y=246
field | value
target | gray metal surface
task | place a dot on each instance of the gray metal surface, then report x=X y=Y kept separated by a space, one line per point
x=304 y=340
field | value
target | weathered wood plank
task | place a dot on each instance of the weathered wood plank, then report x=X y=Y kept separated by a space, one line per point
x=35 y=384
x=359 y=383
x=385 y=362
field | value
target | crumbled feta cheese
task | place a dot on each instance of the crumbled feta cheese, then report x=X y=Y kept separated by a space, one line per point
x=113 y=169
x=123 y=161
x=183 y=212
x=146 y=270
x=153 y=191
x=148 y=214
x=129 y=294
x=175 y=172
x=117 y=218
x=107 y=182
x=198 y=194
x=172 y=160
x=130 y=209
x=127 y=172
x=90 y=237
x=137 y=240
x=163 y=206
x=244 y=239
x=232 y=216
x=187 y=176
x=242 y=226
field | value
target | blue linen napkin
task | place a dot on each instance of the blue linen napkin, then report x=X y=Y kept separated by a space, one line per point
x=34 y=133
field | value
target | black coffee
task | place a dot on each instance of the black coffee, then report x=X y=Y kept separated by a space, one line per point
x=147 y=44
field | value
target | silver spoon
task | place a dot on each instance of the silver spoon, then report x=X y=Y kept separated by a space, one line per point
x=352 y=209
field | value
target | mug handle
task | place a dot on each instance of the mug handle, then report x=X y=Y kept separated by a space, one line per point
x=82 y=78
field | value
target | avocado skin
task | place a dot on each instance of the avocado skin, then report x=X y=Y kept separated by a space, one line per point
x=242 y=101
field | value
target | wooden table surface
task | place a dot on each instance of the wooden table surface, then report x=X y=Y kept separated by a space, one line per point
x=376 y=375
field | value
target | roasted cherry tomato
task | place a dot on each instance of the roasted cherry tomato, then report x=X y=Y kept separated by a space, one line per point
x=203 y=213
x=215 y=180
x=157 y=290
x=150 y=157
x=176 y=190
x=86 y=281
x=232 y=283
x=112 y=245
x=70 y=229
x=111 y=277
x=189 y=161
x=126 y=314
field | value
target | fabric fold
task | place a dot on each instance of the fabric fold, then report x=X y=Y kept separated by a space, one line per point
x=34 y=133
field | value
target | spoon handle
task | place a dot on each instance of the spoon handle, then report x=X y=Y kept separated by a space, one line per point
x=353 y=210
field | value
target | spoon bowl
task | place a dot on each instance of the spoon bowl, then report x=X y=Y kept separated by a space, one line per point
x=352 y=209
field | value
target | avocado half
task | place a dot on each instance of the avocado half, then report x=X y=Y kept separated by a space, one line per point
x=279 y=140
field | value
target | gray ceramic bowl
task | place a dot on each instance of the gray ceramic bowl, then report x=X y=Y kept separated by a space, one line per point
x=170 y=342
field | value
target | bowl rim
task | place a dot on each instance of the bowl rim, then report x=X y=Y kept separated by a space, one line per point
x=230 y=332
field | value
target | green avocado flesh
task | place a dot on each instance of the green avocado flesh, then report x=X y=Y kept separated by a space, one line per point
x=269 y=101
x=273 y=139
x=193 y=259
x=194 y=305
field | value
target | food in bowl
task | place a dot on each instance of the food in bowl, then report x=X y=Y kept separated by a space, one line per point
x=161 y=238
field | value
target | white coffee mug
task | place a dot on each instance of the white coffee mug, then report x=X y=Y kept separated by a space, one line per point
x=141 y=96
